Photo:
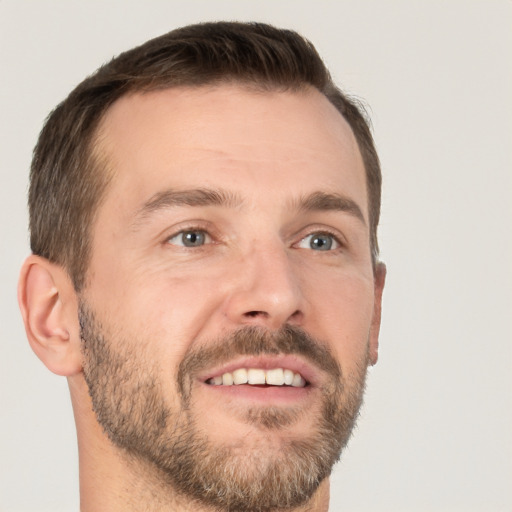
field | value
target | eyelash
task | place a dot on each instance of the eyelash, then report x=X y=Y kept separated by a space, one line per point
x=211 y=239
x=324 y=232
x=190 y=229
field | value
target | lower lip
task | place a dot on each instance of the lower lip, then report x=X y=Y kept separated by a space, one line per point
x=284 y=395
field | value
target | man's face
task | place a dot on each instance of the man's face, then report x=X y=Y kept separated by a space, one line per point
x=232 y=244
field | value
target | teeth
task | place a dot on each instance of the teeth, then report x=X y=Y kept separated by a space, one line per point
x=288 y=377
x=298 y=381
x=240 y=376
x=255 y=376
x=227 y=379
x=217 y=381
x=275 y=377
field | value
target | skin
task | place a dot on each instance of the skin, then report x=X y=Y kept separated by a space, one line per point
x=256 y=268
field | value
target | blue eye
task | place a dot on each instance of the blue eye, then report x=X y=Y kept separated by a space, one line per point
x=192 y=238
x=319 y=242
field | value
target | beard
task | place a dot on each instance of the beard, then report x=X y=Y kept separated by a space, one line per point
x=257 y=473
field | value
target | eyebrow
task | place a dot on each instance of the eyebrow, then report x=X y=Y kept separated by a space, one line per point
x=192 y=197
x=316 y=201
x=322 y=201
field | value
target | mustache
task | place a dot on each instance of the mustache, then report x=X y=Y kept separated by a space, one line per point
x=256 y=341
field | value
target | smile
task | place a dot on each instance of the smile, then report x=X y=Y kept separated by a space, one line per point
x=258 y=377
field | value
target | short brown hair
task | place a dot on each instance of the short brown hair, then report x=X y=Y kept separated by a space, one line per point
x=67 y=180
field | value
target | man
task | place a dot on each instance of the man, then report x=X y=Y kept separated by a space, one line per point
x=203 y=214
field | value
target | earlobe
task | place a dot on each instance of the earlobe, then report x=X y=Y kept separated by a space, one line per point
x=379 y=281
x=49 y=309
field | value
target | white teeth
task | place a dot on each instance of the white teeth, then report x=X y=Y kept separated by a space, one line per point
x=240 y=376
x=217 y=381
x=298 y=381
x=275 y=377
x=255 y=376
x=227 y=379
x=288 y=377
x=258 y=376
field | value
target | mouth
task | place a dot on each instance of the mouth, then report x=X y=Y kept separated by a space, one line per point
x=259 y=377
x=284 y=381
x=282 y=372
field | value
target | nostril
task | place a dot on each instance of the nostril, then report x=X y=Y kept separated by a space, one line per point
x=253 y=314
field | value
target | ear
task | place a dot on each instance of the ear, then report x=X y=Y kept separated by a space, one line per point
x=49 y=307
x=379 y=280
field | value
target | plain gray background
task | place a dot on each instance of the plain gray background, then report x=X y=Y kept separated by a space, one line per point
x=436 y=430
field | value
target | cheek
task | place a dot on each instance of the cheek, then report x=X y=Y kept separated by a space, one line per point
x=341 y=313
x=166 y=308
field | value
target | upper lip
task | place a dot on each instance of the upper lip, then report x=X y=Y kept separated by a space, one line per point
x=292 y=362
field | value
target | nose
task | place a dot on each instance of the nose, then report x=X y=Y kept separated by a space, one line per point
x=266 y=290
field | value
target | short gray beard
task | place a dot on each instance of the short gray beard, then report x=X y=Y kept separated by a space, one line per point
x=130 y=406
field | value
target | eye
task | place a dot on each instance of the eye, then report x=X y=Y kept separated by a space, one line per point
x=190 y=238
x=319 y=242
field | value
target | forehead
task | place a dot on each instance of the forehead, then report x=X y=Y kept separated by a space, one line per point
x=267 y=143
